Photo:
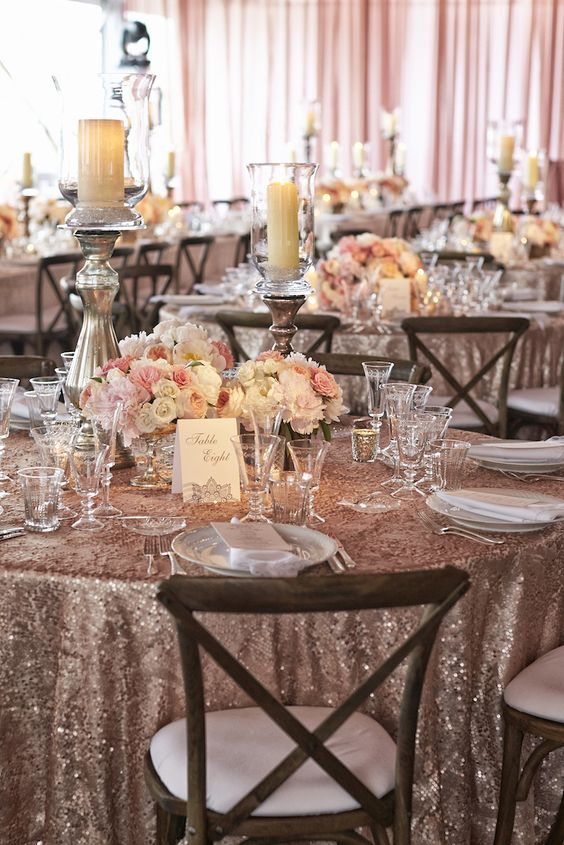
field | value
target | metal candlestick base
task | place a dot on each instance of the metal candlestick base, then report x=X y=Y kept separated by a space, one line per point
x=502 y=219
x=283 y=329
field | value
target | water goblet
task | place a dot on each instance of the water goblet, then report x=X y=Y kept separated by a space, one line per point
x=255 y=455
x=67 y=359
x=7 y=392
x=54 y=443
x=308 y=456
x=87 y=456
x=412 y=432
x=449 y=460
x=376 y=374
x=420 y=397
x=71 y=409
x=47 y=389
x=397 y=397
x=442 y=415
x=105 y=431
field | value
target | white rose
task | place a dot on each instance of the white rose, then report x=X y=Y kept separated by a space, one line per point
x=165 y=387
x=145 y=419
x=207 y=380
x=164 y=410
x=190 y=332
x=247 y=373
x=115 y=374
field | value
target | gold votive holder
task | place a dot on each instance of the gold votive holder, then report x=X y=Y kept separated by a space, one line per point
x=364 y=443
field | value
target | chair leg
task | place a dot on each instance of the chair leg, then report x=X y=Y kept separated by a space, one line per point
x=512 y=743
x=170 y=829
x=379 y=835
x=556 y=835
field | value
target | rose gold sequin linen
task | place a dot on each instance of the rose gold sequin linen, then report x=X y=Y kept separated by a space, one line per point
x=89 y=665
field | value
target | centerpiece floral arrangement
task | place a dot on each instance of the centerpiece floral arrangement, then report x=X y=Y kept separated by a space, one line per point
x=177 y=372
x=363 y=259
x=154 y=208
x=540 y=231
x=9 y=226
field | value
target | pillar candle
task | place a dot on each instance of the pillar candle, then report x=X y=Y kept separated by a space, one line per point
x=282 y=225
x=291 y=154
x=27 y=173
x=532 y=175
x=170 y=165
x=400 y=157
x=309 y=128
x=334 y=155
x=389 y=123
x=506 y=150
x=358 y=155
x=101 y=145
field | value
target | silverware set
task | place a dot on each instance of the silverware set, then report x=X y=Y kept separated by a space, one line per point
x=160 y=545
x=10 y=531
x=440 y=528
x=529 y=478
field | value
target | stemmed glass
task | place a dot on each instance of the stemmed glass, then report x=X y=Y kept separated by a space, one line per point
x=47 y=390
x=412 y=433
x=420 y=397
x=7 y=392
x=398 y=397
x=107 y=436
x=376 y=374
x=87 y=456
x=442 y=415
x=308 y=456
x=71 y=409
x=255 y=454
x=54 y=442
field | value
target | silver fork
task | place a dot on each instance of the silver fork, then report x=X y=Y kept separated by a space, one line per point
x=458 y=531
x=529 y=478
x=165 y=550
x=150 y=549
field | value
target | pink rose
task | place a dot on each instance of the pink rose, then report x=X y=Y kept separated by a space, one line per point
x=225 y=353
x=157 y=351
x=146 y=376
x=181 y=376
x=324 y=383
x=85 y=395
x=117 y=364
x=270 y=354
x=191 y=404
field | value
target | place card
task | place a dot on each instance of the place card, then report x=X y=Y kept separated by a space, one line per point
x=205 y=468
x=250 y=536
x=395 y=296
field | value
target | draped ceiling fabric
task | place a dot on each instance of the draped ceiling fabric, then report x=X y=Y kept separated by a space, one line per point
x=246 y=66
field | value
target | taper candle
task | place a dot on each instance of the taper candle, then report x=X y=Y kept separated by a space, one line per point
x=506 y=150
x=101 y=145
x=334 y=155
x=358 y=155
x=27 y=172
x=282 y=225
x=309 y=128
x=170 y=165
x=532 y=175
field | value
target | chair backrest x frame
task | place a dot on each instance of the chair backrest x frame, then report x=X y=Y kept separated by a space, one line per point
x=346 y=364
x=197 y=269
x=325 y=324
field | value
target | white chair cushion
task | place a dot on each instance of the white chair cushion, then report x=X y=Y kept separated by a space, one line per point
x=535 y=400
x=463 y=416
x=243 y=745
x=539 y=688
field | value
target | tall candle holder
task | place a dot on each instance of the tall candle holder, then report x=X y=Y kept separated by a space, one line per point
x=504 y=141
x=533 y=180
x=104 y=172
x=282 y=241
x=26 y=195
x=389 y=124
x=310 y=128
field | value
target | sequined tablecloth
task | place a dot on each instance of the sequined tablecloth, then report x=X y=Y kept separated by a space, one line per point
x=89 y=666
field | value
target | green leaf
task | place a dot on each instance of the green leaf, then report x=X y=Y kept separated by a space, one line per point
x=326 y=429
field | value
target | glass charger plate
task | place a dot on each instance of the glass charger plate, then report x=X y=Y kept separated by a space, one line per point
x=205 y=547
x=486 y=523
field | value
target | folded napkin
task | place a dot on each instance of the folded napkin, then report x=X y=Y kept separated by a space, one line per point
x=271 y=564
x=530 y=451
x=503 y=505
x=19 y=411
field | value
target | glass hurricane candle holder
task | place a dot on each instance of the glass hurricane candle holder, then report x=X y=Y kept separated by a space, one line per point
x=282 y=241
x=504 y=151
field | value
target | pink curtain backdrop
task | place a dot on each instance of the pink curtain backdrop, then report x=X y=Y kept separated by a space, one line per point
x=243 y=69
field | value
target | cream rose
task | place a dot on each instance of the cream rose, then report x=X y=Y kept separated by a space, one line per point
x=208 y=380
x=164 y=410
x=165 y=387
x=145 y=419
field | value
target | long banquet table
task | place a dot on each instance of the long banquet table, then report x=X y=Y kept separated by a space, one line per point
x=89 y=667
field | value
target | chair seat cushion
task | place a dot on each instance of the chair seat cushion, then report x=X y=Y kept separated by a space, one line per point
x=463 y=416
x=244 y=744
x=539 y=689
x=543 y=401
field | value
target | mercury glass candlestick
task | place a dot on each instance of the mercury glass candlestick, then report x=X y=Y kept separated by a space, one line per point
x=282 y=241
x=104 y=172
x=504 y=142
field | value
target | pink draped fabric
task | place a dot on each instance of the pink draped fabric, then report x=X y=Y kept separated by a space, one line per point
x=245 y=66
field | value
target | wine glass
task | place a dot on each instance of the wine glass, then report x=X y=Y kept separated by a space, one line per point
x=376 y=374
x=87 y=456
x=107 y=436
x=47 y=390
x=308 y=456
x=255 y=454
x=412 y=433
x=442 y=415
x=420 y=397
x=398 y=396
x=70 y=407
x=7 y=392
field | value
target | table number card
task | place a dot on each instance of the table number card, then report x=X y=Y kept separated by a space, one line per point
x=395 y=296
x=205 y=466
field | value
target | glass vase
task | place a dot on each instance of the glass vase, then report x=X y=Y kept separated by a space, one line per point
x=151 y=478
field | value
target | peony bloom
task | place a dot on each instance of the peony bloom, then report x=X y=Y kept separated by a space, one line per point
x=222 y=359
x=191 y=404
x=145 y=375
x=134 y=345
x=158 y=351
x=122 y=364
x=208 y=380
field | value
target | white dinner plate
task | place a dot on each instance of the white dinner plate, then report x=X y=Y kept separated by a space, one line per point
x=205 y=547
x=524 y=467
x=469 y=519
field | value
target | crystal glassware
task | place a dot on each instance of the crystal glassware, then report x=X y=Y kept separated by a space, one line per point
x=40 y=488
x=67 y=359
x=7 y=392
x=47 y=389
x=87 y=458
x=255 y=455
x=397 y=396
x=420 y=396
x=376 y=374
x=442 y=416
x=71 y=409
x=54 y=442
x=33 y=409
x=308 y=457
x=449 y=462
x=412 y=433
x=289 y=492
x=106 y=433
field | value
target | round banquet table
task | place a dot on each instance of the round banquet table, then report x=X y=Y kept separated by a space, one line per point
x=89 y=667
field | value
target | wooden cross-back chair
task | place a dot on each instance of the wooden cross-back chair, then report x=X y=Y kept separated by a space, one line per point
x=151 y=252
x=192 y=251
x=325 y=325
x=183 y=799
x=138 y=284
x=395 y=224
x=25 y=367
x=474 y=414
x=346 y=364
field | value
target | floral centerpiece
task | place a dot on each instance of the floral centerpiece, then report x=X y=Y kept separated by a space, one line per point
x=173 y=373
x=540 y=234
x=154 y=208
x=308 y=396
x=9 y=226
x=364 y=259
x=48 y=211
